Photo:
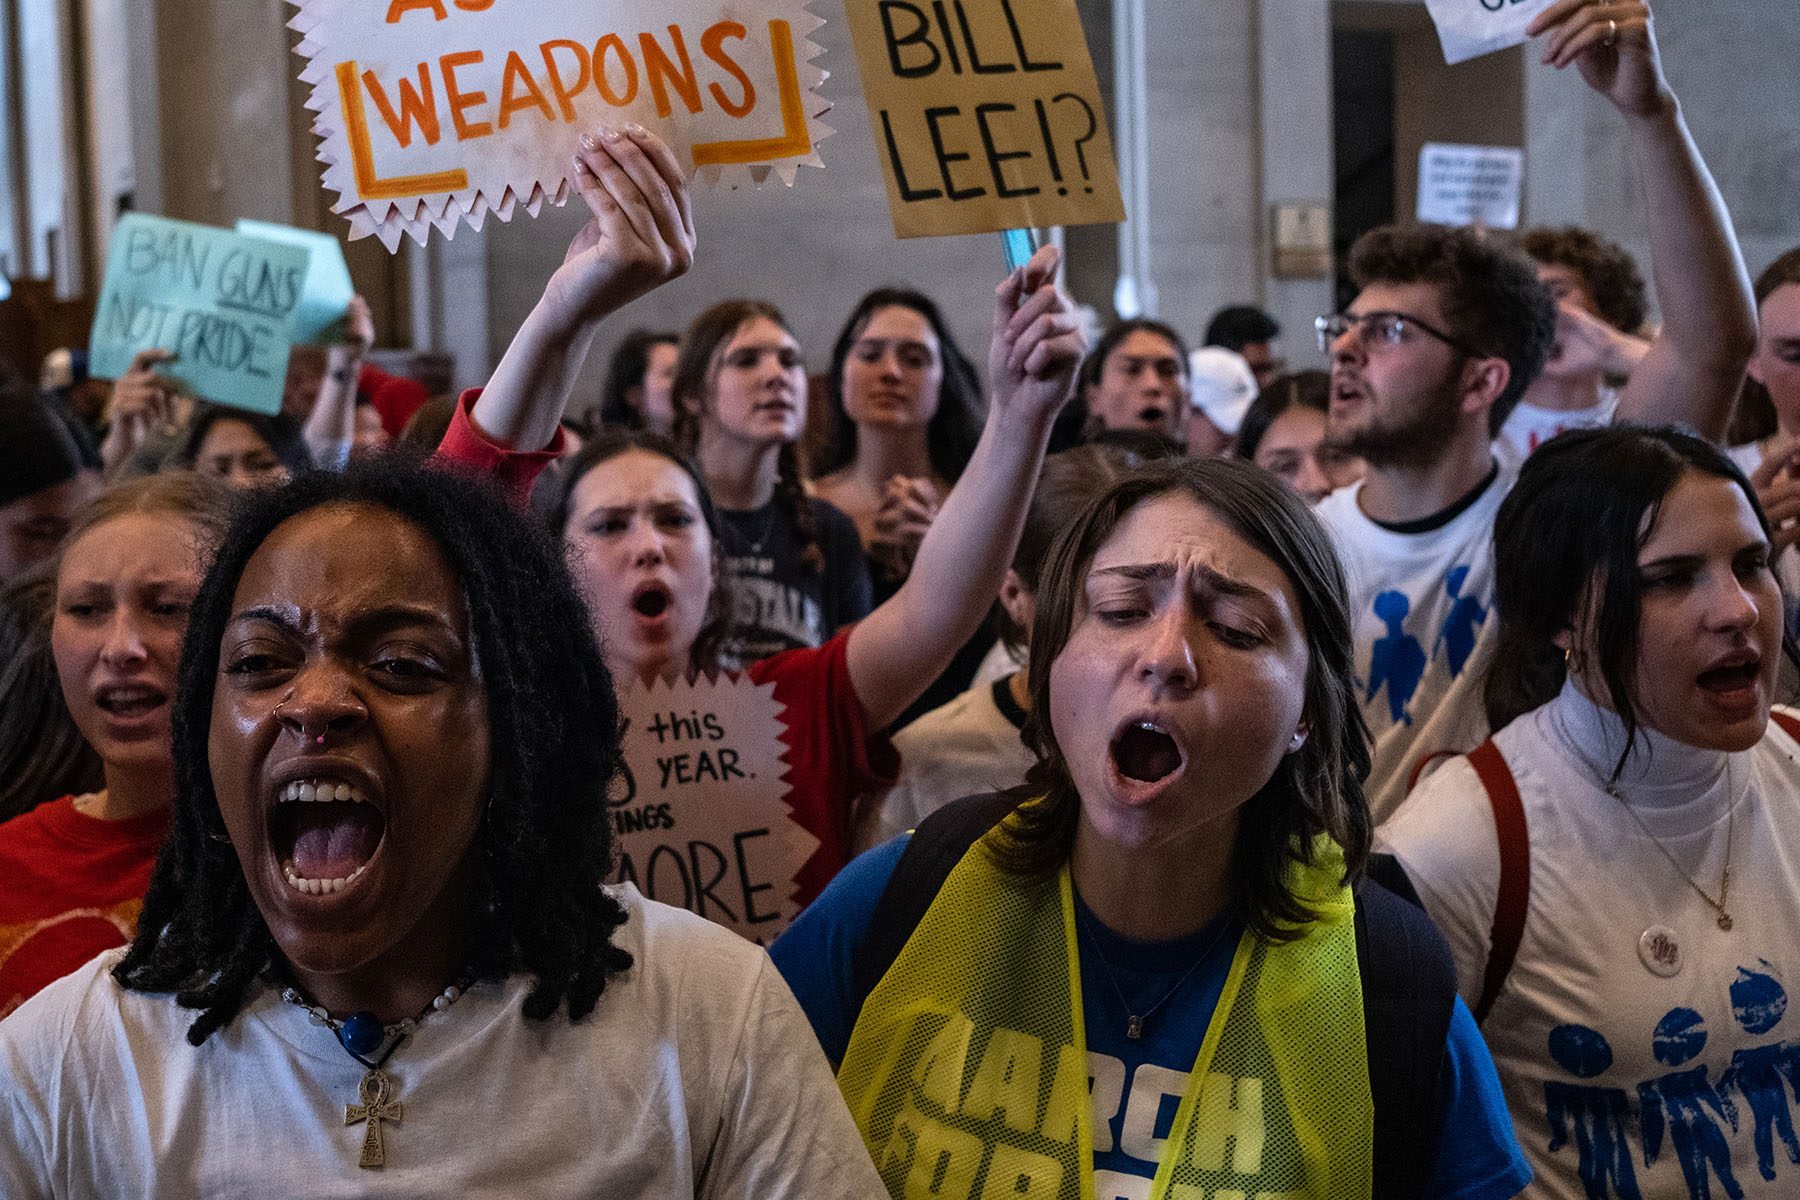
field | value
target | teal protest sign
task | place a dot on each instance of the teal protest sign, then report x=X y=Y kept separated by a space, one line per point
x=326 y=295
x=221 y=302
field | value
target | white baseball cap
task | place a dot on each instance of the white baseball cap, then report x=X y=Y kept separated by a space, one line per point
x=1221 y=385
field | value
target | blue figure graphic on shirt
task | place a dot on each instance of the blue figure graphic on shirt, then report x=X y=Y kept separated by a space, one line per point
x=1764 y=1075
x=1681 y=1099
x=1398 y=660
x=1598 y=1114
x=1461 y=625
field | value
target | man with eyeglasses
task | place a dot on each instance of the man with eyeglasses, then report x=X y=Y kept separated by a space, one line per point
x=1448 y=330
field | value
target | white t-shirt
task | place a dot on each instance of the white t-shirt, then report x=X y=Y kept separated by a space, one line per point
x=966 y=747
x=1527 y=427
x=1422 y=617
x=1621 y=1081
x=697 y=1075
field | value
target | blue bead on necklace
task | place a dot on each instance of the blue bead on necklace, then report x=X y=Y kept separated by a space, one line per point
x=362 y=1033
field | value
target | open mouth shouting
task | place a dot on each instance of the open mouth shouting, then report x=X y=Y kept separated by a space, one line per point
x=130 y=703
x=1144 y=760
x=324 y=832
x=1733 y=682
x=651 y=602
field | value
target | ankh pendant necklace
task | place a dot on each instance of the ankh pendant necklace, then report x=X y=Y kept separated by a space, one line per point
x=369 y=1042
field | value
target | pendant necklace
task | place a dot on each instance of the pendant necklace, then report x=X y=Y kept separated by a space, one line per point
x=1718 y=906
x=1135 y=1021
x=369 y=1042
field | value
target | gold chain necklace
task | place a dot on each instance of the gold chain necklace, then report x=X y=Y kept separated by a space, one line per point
x=1718 y=906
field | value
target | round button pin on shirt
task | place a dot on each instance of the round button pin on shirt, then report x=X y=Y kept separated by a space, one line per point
x=1660 y=951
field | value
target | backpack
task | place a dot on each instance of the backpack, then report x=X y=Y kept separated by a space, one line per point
x=1408 y=981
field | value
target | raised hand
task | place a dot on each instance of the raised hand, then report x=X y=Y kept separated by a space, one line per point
x=1777 y=484
x=908 y=508
x=1614 y=47
x=1037 y=344
x=642 y=232
x=1585 y=344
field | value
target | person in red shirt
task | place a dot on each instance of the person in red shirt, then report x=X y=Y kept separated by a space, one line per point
x=644 y=537
x=75 y=869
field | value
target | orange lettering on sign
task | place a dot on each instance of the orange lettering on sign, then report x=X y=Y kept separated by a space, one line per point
x=415 y=105
x=474 y=5
x=613 y=43
x=370 y=186
x=795 y=139
x=565 y=93
x=459 y=100
x=712 y=44
x=531 y=97
x=400 y=8
x=661 y=71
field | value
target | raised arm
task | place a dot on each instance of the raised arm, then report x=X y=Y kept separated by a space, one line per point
x=641 y=236
x=906 y=643
x=1696 y=364
x=330 y=427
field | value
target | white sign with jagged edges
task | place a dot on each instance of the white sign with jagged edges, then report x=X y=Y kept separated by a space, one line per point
x=433 y=113
x=702 y=818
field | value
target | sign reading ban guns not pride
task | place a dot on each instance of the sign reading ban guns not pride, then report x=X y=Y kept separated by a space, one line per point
x=986 y=114
x=701 y=816
x=436 y=112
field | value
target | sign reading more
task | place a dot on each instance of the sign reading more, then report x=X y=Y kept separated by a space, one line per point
x=986 y=114
x=221 y=302
x=701 y=818
x=436 y=112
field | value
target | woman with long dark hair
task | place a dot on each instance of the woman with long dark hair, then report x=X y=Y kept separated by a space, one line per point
x=1615 y=870
x=379 y=926
x=1160 y=945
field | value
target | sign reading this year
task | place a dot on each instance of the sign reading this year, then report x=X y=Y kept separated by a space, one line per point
x=986 y=114
x=435 y=112
x=220 y=301
x=701 y=817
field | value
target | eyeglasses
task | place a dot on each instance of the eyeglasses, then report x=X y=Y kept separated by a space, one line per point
x=1383 y=329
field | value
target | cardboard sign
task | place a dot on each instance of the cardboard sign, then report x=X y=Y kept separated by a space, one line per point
x=1470 y=28
x=1470 y=185
x=325 y=297
x=435 y=112
x=223 y=303
x=702 y=820
x=986 y=114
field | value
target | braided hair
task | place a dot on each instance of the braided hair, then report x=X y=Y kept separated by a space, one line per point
x=696 y=371
x=545 y=845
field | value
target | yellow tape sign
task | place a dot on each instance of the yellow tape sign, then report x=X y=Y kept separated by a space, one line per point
x=986 y=114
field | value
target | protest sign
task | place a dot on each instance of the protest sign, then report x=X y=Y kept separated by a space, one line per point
x=1470 y=185
x=325 y=296
x=221 y=302
x=986 y=114
x=701 y=818
x=1470 y=28
x=438 y=112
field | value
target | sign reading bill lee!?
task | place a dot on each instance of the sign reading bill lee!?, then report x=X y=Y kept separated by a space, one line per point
x=986 y=114
x=220 y=301
x=433 y=112
x=701 y=817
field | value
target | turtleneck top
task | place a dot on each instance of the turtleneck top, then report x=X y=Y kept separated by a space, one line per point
x=1623 y=1079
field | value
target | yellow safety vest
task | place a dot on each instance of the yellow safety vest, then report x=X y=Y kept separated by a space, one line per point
x=967 y=1069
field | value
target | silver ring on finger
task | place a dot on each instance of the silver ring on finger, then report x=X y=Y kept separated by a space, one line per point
x=1612 y=32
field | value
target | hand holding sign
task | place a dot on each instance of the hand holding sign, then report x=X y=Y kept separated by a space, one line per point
x=1037 y=343
x=1613 y=46
x=642 y=232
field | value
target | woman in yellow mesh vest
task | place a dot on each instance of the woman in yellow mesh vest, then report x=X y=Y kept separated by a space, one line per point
x=1155 y=970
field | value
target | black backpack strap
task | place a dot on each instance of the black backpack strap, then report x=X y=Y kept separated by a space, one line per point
x=931 y=853
x=1409 y=993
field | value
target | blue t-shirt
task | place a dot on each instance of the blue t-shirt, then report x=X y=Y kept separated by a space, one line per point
x=1141 y=1082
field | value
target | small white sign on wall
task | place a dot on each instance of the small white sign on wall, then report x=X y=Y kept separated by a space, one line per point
x=1470 y=28
x=1470 y=185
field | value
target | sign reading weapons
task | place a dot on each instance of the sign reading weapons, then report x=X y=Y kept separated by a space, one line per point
x=434 y=112
x=702 y=819
x=986 y=114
